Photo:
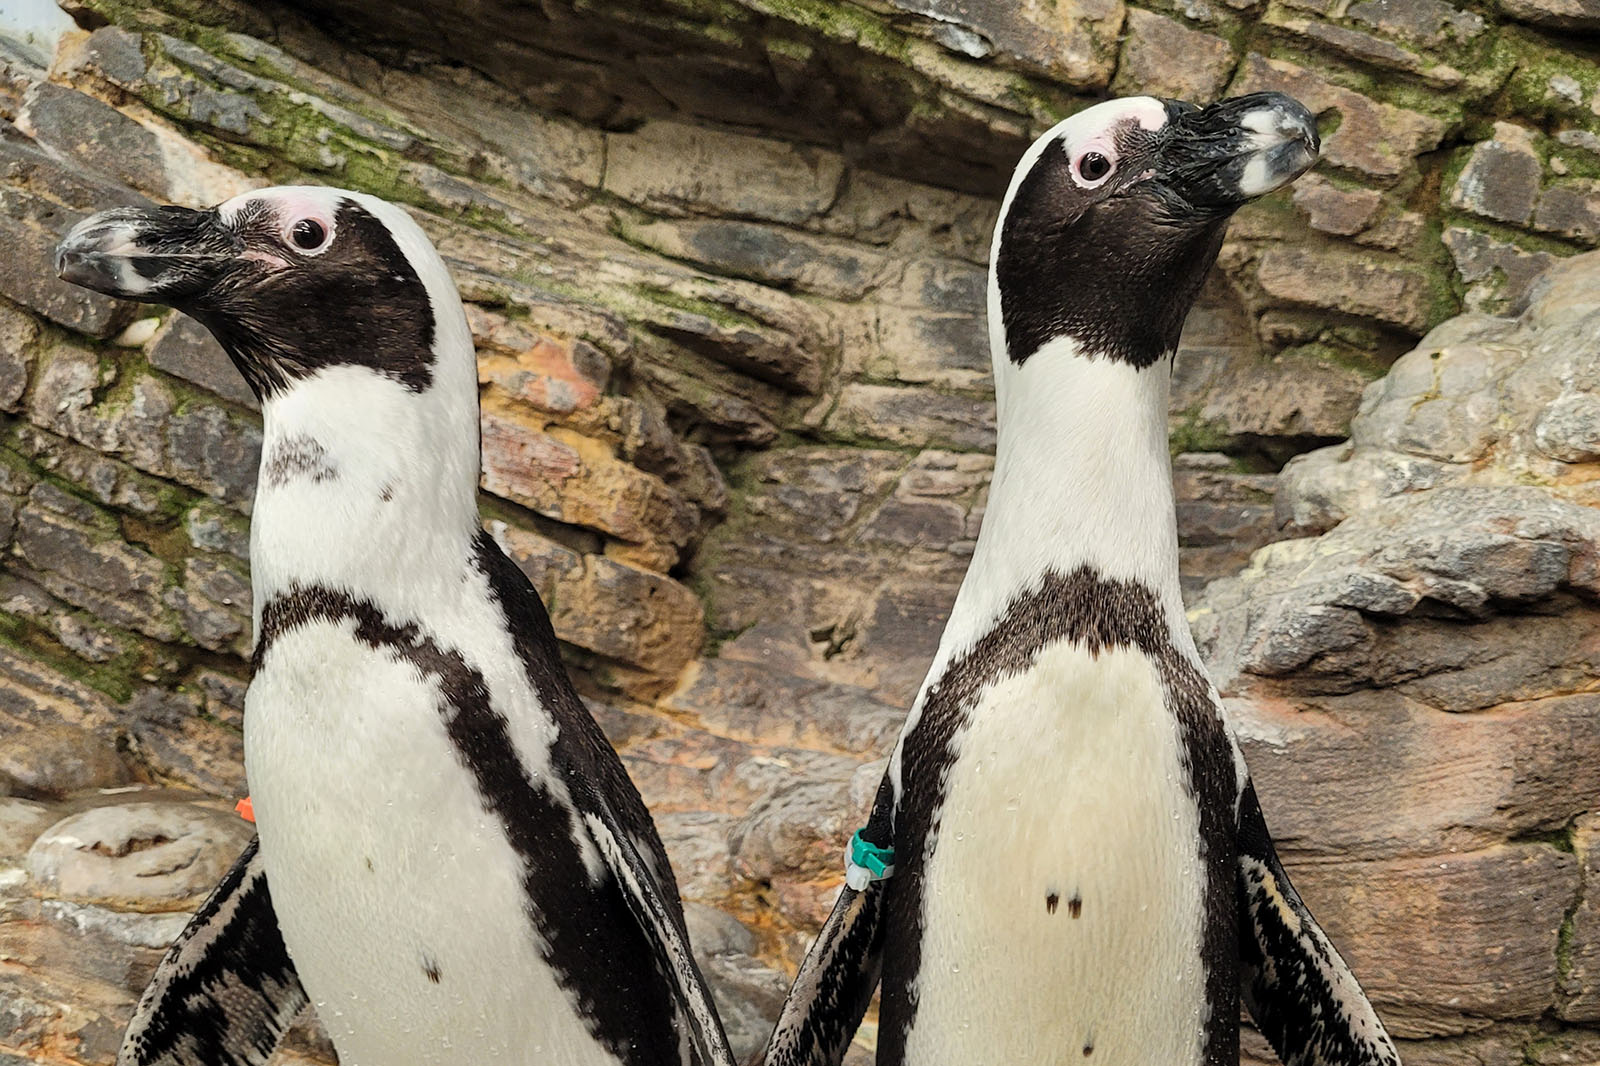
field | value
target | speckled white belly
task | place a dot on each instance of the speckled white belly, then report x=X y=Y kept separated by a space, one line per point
x=399 y=899
x=1064 y=896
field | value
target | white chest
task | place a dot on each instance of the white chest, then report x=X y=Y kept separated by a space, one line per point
x=1063 y=901
x=399 y=898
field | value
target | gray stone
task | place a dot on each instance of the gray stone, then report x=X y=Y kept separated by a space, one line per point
x=1500 y=272
x=1502 y=176
x=96 y=133
x=51 y=761
x=18 y=334
x=215 y=451
x=1076 y=44
x=31 y=224
x=1389 y=290
x=1431 y=23
x=1306 y=608
x=1296 y=394
x=112 y=483
x=674 y=167
x=21 y=823
x=767 y=253
x=224 y=697
x=1333 y=209
x=95 y=570
x=148 y=855
x=753 y=703
x=1582 y=16
x=914 y=417
x=1366 y=48
x=918 y=347
x=172 y=734
x=1569 y=429
x=187 y=350
x=1571 y=209
x=210 y=528
x=1163 y=57
x=213 y=604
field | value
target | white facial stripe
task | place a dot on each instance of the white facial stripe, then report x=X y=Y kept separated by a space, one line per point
x=287 y=199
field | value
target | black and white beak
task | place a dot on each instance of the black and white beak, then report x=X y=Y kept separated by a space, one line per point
x=154 y=255
x=1219 y=157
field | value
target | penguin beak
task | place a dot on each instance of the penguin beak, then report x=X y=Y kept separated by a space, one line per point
x=154 y=255
x=1220 y=157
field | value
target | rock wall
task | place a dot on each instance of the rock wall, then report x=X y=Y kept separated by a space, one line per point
x=724 y=264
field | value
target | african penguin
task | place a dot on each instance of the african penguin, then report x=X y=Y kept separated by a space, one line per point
x=459 y=867
x=1071 y=864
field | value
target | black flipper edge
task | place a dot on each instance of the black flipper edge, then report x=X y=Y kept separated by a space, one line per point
x=1301 y=994
x=225 y=992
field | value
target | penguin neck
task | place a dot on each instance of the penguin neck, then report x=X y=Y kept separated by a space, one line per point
x=368 y=487
x=1082 y=480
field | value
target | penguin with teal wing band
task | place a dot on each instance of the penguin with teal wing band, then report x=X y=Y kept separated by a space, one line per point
x=1066 y=860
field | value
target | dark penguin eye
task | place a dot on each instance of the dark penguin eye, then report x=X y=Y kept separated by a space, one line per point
x=308 y=234
x=1093 y=166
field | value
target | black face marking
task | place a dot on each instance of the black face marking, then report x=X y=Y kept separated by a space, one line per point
x=295 y=458
x=1050 y=902
x=1115 y=267
x=1111 y=248
x=591 y=939
x=1075 y=906
x=1099 y=615
x=282 y=316
x=225 y=991
x=430 y=969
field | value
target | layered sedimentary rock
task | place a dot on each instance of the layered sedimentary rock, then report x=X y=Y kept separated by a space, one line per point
x=725 y=266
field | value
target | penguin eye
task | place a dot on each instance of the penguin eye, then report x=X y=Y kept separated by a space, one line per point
x=1093 y=167
x=308 y=234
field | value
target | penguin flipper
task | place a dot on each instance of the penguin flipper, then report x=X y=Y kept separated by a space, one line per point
x=1303 y=997
x=835 y=984
x=225 y=991
x=665 y=930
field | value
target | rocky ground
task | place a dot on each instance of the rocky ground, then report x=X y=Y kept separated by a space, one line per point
x=724 y=266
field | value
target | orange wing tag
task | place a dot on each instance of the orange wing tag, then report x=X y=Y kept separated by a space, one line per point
x=246 y=811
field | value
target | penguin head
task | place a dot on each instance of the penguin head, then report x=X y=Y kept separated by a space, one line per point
x=290 y=280
x=1114 y=217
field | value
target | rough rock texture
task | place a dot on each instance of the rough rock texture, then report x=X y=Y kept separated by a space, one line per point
x=1416 y=685
x=724 y=264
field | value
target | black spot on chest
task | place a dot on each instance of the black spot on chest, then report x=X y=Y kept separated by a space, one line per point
x=298 y=458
